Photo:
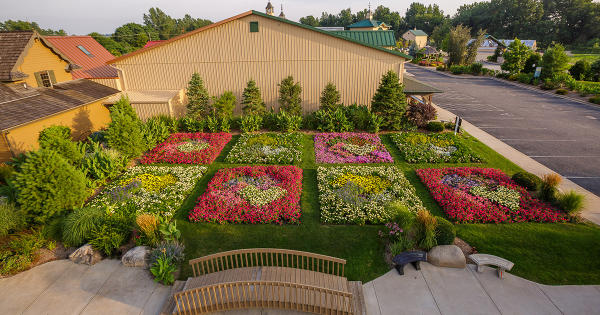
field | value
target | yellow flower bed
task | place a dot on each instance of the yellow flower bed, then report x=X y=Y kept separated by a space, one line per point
x=151 y=182
x=369 y=184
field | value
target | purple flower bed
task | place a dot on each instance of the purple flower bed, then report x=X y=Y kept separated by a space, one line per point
x=350 y=147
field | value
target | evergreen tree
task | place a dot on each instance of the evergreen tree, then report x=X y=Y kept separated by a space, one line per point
x=198 y=98
x=471 y=56
x=554 y=61
x=330 y=97
x=389 y=101
x=515 y=57
x=225 y=104
x=125 y=131
x=289 y=96
x=252 y=102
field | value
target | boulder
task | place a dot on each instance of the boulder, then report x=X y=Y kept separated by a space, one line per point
x=136 y=257
x=447 y=256
x=85 y=255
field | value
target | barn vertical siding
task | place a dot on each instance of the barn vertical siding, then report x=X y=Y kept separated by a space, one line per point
x=229 y=55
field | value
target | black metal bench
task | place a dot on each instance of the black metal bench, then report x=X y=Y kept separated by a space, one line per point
x=412 y=257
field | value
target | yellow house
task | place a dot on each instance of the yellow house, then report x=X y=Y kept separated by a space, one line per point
x=258 y=46
x=416 y=36
x=37 y=91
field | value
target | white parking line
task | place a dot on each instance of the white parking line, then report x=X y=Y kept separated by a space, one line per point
x=540 y=140
x=591 y=117
x=564 y=156
x=508 y=127
x=583 y=177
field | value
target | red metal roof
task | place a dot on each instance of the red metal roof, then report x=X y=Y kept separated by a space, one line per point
x=93 y=66
x=152 y=43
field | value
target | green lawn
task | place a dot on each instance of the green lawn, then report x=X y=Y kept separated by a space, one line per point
x=589 y=57
x=547 y=253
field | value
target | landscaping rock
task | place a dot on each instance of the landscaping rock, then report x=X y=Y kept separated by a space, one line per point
x=447 y=256
x=85 y=255
x=136 y=257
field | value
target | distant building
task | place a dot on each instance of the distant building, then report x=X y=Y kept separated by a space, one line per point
x=37 y=90
x=416 y=36
x=491 y=43
x=87 y=53
x=385 y=39
x=368 y=24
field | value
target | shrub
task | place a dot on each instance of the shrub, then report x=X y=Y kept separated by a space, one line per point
x=189 y=124
x=550 y=84
x=250 y=123
x=170 y=249
x=125 y=131
x=402 y=215
x=252 y=102
x=225 y=104
x=6 y=172
x=449 y=125
x=525 y=78
x=20 y=252
x=534 y=60
x=595 y=99
x=441 y=68
x=110 y=234
x=425 y=225
x=562 y=92
x=359 y=116
x=333 y=121
x=457 y=69
x=330 y=98
x=515 y=57
x=155 y=130
x=198 y=99
x=41 y=185
x=435 y=126
x=163 y=270
x=78 y=225
x=11 y=218
x=169 y=231
x=476 y=68
x=288 y=122
x=58 y=138
x=571 y=202
x=389 y=101
x=445 y=232
x=420 y=113
x=212 y=123
x=526 y=180
x=270 y=120
x=595 y=71
x=554 y=61
x=289 y=96
x=375 y=122
x=581 y=70
x=100 y=164
x=549 y=187
x=225 y=124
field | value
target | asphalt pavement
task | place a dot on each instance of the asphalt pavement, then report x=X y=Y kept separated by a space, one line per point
x=564 y=135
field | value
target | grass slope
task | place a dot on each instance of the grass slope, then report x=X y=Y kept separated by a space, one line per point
x=546 y=253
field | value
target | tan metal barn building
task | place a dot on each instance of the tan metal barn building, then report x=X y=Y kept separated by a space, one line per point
x=254 y=45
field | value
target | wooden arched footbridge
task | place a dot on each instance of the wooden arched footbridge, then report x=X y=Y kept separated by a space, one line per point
x=267 y=278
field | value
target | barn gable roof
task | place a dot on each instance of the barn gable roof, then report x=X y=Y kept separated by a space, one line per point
x=248 y=13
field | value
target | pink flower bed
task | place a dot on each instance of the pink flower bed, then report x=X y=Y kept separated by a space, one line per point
x=350 y=147
x=188 y=148
x=463 y=207
x=251 y=194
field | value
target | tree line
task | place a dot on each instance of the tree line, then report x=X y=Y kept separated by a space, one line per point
x=130 y=36
x=570 y=22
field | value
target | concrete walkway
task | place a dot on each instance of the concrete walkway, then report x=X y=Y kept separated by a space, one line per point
x=434 y=290
x=63 y=287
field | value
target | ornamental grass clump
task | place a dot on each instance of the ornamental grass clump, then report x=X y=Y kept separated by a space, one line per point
x=148 y=226
x=425 y=224
x=571 y=202
x=549 y=187
x=78 y=226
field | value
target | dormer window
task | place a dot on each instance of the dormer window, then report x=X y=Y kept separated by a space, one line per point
x=45 y=78
x=85 y=51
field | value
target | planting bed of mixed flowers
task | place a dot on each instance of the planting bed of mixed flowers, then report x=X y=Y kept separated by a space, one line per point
x=471 y=195
x=350 y=147
x=251 y=194
x=158 y=190
x=359 y=194
x=417 y=147
x=188 y=148
x=268 y=148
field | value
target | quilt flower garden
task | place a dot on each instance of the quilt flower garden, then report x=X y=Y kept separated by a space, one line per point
x=251 y=194
x=156 y=190
x=350 y=147
x=267 y=148
x=418 y=147
x=358 y=194
x=188 y=148
x=472 y=195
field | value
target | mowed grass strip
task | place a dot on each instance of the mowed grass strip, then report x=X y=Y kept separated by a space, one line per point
x=546 y=253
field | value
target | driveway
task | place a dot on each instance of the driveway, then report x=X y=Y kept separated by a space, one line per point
x=561 y=134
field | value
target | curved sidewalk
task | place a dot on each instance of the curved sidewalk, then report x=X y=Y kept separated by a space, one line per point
x=435 y=290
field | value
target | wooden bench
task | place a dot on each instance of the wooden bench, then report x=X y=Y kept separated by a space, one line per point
x=491 y=260
x=412 y=257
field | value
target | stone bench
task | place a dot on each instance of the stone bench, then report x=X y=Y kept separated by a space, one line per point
x=412 y=257
x=491 y=260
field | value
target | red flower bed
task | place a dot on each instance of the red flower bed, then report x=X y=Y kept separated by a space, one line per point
x=251 y=194
x=463 y=207
x=188 y=148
